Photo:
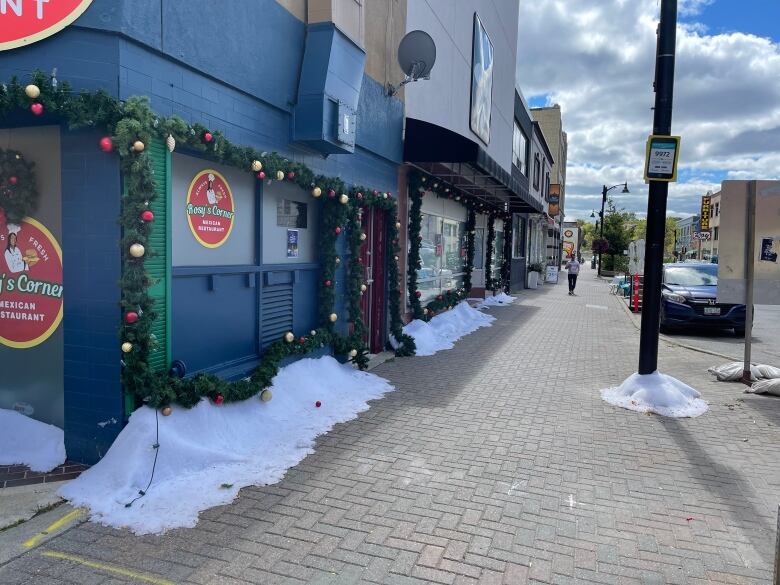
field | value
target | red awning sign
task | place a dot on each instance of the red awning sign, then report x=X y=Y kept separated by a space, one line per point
x=27 y=21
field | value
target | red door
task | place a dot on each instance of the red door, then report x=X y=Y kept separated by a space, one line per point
x=372 y=255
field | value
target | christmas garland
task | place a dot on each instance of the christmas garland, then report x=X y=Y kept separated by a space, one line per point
x=131 y=125
x=419 y=185
x=18 y=193
x=506 y=266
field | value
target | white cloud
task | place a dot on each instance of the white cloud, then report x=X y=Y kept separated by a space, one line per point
x=596 y=59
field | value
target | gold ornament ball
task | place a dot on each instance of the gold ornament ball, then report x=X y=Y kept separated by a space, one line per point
x=167 y=411
x=289 y=337
x=127 y=347
x=425 y=311
x=170 y=142
x=344 y=199
x=137 y=250
x=396 y=258
x=138 y=146
x=279 y=176
x=257 y=166
x=398 y=225
x=363 y=288
x=353 y=353
x=338 y=260
x=362 y=236
x=316 y=192
x=32 y=91
x=333 y=317
x=313 y=332
x=266 y=395
x=384 y=195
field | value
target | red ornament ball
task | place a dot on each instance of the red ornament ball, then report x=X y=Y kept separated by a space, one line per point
x=13 y=180
x=376 y=192
x=219 y=399
x=389 y=195
x=338 y=230
x=37 y=109
x=331 y=193
x=106 y=145
x=360 y=195
x=318 y=404
x=439 y=298
x=131 y=317
x=291 y=175
x=208 y=136
x=147 y=215
x=261 y=175
x=327 y=283
x=418 y=294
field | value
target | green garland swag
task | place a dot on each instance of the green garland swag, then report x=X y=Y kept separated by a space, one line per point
x=506 y=266
x=131 y=125
x=18 y=192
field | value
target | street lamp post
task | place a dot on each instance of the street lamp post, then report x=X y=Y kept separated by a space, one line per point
x=604 y=192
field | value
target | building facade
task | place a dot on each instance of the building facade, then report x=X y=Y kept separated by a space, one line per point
x=710 y=247
x=551 y=123
x=460 y=131
x=685 y=246
x=304 y=79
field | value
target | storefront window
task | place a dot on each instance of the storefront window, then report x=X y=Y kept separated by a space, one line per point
x=518 y=232
x=442 y=255
x=498 y=255
x=479 y=249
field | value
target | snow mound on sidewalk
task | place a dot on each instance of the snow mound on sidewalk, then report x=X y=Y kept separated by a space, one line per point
x=444 y=330
x=209 y=452
x=26 y=441
x=500 y=300
x=656 y=393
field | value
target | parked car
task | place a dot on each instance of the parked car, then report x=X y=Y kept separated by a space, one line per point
x=689 y=299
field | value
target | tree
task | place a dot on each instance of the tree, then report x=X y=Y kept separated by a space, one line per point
x=640 y=232
x=619 y=228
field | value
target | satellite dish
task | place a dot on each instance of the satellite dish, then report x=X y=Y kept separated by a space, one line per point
x=416 y=56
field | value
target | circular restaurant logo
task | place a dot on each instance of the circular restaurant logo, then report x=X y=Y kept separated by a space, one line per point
x=25 y=21
x=568 y=233
x=30 y=284
x=210 y=208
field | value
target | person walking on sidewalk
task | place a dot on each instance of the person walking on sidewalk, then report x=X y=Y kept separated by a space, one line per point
x=573 y=266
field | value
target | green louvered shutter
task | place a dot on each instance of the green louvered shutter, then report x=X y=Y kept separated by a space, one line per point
x=159 y=265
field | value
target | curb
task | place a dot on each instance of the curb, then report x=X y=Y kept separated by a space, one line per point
x=671 y=341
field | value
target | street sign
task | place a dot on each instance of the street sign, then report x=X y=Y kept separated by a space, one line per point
x=661 y=158
x=704 y=236
x=704 y=222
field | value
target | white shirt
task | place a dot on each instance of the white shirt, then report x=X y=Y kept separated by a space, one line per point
x=13 y=257
x=574 y=266
x=211 y=196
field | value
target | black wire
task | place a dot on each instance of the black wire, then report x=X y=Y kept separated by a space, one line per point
x=156 y=447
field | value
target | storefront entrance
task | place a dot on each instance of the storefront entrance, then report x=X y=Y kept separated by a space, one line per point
x=373 y=258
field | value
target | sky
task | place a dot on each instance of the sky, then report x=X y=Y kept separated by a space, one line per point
x=595 y=58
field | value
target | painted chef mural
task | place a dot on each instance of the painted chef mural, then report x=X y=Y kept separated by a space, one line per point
x=30 y=283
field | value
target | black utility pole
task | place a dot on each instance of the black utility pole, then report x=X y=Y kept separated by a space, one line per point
x=656 y=204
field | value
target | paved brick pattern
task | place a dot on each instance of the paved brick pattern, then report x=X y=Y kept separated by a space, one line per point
x=497 y=463
x=17 y=475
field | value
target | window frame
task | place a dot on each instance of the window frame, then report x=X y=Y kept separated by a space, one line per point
x=517 y=154
x=537 y=171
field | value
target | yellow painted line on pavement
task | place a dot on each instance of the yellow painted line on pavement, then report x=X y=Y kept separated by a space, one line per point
x=146 y=578
x=66 y=519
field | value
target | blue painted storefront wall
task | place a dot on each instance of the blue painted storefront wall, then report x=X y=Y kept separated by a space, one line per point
x=244 y=84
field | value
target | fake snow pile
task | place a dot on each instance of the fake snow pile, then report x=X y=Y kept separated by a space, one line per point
x=209 y=452
x=25 y=441
x=656 y=393
x=445 y=329
x=501 y=300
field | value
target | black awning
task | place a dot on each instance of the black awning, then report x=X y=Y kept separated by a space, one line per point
x=466 y=165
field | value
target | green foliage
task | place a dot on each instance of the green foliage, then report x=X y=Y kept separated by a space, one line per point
x=471 y=223
x=417 y=185
x=18 y=191
x=132 y=121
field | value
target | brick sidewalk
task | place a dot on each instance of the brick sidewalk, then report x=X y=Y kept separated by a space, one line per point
x=494 y=462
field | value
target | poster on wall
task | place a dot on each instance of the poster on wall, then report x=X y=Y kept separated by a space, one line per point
x=210 y=208
x=292 y=243
x=30 y=284
x=770 y=248
x=481 y=82
x=26 y=21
